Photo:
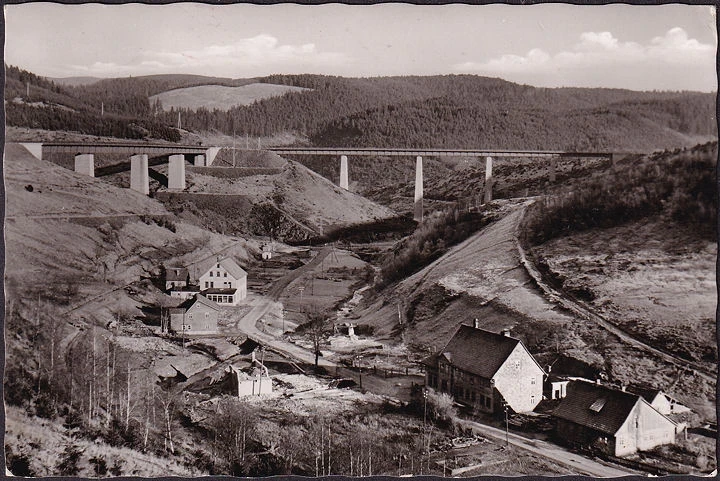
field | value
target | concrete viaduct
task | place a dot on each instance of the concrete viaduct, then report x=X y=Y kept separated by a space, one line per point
x=139 y=154
x=204 y=156
x=488 y=155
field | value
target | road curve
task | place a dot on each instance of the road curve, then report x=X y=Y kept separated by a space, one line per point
x=248 y=323
x=580 y=464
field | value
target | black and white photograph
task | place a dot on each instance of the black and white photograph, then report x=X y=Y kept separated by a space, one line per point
x=360 y=240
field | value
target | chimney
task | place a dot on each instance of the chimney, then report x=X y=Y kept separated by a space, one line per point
x=622 y=387
x=506 y=332
x=476 y=323
x=597 y=381
x=549 y=368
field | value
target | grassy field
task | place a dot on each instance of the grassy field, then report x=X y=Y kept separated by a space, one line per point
x=219 y=96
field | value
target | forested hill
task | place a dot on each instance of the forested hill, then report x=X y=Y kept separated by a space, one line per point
x=457 y=111
x=452 y=111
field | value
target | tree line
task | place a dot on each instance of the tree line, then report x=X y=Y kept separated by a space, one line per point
x=679 y=185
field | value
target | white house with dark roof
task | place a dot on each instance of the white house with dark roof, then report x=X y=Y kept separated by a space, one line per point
x=484 y=369
x=616 y=422
x=662 y=402
x=224 y=282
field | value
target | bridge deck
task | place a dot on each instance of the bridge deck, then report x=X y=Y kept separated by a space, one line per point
x=122 y=148
x=434 y=152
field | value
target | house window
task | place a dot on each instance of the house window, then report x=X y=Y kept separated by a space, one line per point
x=207 y=284
x=517 y=364
x=218 y=273
x=207 y=314
x=532 y=380
x=212 y=284
x=224 y=274
x=211 y=274
x=218 y=266
x=532 y=399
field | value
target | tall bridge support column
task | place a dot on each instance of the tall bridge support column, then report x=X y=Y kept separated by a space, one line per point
x=488 y=179
x=199 y=161
x=553 y=168
x=139 y=176
x=85 y=164
x=176 y=172
x=418 y=205
x=344 y=184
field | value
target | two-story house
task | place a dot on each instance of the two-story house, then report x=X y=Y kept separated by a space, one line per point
x=484 y=369
x=224 y=282
x=198 y=315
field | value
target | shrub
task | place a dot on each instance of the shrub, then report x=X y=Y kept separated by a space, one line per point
x=68 y=462
x=99 y=465
x=18 y=464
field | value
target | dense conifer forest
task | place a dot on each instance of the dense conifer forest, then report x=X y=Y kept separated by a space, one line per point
x=451 y=111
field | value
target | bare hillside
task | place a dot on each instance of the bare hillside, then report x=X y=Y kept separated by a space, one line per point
x=220 y=97
x=485 y=278
x=298 y=193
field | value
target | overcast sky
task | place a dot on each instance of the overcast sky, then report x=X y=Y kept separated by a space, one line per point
x=668 y=47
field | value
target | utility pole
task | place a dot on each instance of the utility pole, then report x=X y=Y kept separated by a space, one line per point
x=179 y=124
x=507 y=440
x=27 y=89
x=102 y=109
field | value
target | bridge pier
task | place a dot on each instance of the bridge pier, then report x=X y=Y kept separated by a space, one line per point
x=176 y=172
x=488 y=179
x=553 y=167
x=344 y=184
x=418 y=205
x=199 y=161
x=139 y=176
x=85 y=164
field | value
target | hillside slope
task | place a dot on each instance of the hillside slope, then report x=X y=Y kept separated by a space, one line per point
x=484 y=278
x=275 y=197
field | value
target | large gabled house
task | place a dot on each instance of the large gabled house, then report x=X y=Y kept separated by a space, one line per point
x=198 y=315
x=224 y=282
x=613 y=421
x=485 y=370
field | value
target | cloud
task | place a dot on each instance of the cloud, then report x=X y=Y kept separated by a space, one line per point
x=259 y=55
x=669 y=62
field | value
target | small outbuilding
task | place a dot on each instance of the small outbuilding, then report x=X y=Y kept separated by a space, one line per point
x=662 y=402
x=184 y=292
x=613 y=421
x=176 y=277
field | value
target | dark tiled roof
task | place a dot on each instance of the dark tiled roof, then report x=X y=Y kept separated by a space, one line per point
x=648 y=393
x=185 y=289
x=177 y=310
x=219 y=290
x=202 y=300
x=176 y=274
x=611 y=406
x=478 y=351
